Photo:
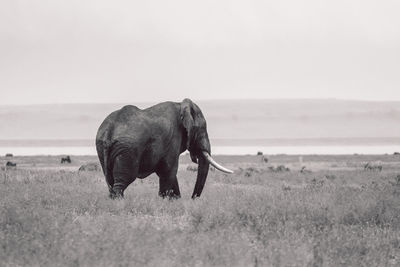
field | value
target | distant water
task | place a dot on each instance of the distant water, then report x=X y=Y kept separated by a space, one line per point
x=306 y=150
x=216 y=150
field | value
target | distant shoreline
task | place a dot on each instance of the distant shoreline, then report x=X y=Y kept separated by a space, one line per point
x=220 y=150
x=332 y=141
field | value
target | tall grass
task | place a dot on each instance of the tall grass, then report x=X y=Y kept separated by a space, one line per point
x=58 y=218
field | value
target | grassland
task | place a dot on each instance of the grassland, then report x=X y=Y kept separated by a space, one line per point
x=334 y=213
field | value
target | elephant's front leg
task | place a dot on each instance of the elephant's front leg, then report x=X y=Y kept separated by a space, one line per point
x=169 y=186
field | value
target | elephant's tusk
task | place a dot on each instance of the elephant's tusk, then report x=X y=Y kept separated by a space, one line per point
x=215 y=164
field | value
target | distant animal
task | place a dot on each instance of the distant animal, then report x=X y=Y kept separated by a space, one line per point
x=259 y=153
x=9 y=155
x=370 y=167
x=191 y=168
x=264 y=159
x=330 y=176
x=286 y=187
x=66 y=159
x=396 y=153
x=303 y=170
x=90 y=167
x=10 y=164
x=133 y=143
x=280 y=168
x=248 y=172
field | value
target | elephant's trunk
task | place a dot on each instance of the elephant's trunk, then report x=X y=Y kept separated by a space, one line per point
x=202 y=172
x=204 y=162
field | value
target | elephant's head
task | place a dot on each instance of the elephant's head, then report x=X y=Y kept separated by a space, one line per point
x=197 y=142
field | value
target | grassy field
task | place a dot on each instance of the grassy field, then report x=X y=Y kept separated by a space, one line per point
x=334 y=213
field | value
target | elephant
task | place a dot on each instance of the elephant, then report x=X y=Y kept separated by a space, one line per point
x=133 y=143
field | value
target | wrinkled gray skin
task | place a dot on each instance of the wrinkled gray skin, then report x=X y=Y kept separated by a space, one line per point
x=133 y=143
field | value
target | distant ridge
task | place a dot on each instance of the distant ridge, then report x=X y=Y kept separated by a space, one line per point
x=202 y=101
x=325 y=120
x=218 y=142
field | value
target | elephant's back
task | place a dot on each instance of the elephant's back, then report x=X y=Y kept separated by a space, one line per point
x=132 y=123
x=126 y=113
x=122 y=123
x=106 y=127
x=120 y=116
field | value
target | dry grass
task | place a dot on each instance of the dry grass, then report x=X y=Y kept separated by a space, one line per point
x=336 y=216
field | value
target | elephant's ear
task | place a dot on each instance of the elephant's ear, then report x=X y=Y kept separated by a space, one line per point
x=187 y=119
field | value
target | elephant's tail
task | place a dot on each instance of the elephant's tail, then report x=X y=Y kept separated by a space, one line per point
x=108 y=165
x=104 y=156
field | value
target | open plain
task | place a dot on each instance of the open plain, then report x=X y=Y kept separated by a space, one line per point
x=289 y=211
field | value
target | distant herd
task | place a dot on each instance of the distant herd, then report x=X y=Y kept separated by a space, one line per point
x=10 y=165
x=96 y=167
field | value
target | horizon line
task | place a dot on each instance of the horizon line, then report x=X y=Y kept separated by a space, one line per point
x=203 y=100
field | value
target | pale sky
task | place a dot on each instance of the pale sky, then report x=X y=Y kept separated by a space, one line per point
x=54 y=51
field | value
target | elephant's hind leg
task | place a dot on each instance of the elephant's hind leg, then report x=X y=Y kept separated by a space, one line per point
x=125 y=171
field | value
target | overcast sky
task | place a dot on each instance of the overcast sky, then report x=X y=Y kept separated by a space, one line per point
x=54 y=51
